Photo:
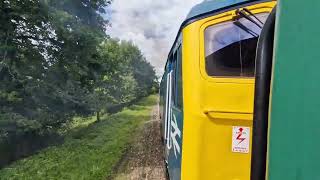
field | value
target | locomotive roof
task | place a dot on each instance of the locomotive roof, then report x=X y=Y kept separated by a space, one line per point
x=211 y=5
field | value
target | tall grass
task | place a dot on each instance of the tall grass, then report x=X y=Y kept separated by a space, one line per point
x=91 y=149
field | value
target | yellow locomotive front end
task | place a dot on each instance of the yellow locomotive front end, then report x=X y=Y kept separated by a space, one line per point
x=218 y=68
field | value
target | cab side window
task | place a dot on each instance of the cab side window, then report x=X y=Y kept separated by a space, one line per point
x=230 y=50
x=177 y=78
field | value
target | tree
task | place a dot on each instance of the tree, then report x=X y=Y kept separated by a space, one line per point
x=57 y=62
x=48 y=54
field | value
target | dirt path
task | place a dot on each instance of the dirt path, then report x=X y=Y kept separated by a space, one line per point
x=144 y=160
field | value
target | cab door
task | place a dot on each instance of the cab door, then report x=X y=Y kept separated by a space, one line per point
x=227 y=96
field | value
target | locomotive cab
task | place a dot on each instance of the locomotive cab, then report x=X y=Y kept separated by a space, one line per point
x=213 y=127
x=219 y=91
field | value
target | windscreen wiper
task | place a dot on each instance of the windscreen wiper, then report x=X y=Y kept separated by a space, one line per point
x=253 y=15
x=243 y=27
x=244 y=15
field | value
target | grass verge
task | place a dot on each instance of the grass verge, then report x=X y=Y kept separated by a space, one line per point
x=89 y=152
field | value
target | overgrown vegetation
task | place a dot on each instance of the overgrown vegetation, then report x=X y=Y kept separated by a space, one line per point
x=56 y=63
x=91 y=150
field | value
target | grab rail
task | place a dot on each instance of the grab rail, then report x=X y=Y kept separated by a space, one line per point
x=229 y=115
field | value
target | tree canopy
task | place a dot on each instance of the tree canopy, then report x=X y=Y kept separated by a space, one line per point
x=57 y=62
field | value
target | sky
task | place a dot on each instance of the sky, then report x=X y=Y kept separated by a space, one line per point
x=152 y=25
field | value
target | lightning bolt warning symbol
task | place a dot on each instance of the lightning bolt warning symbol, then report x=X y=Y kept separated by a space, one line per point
x=241 y=139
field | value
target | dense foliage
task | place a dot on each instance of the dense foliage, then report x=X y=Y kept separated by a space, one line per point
x=57 y=62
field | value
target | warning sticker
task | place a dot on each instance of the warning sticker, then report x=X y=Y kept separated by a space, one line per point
x=240 y=139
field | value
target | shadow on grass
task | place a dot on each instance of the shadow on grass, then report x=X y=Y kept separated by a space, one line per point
x=89 y=152
x=133 y=112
